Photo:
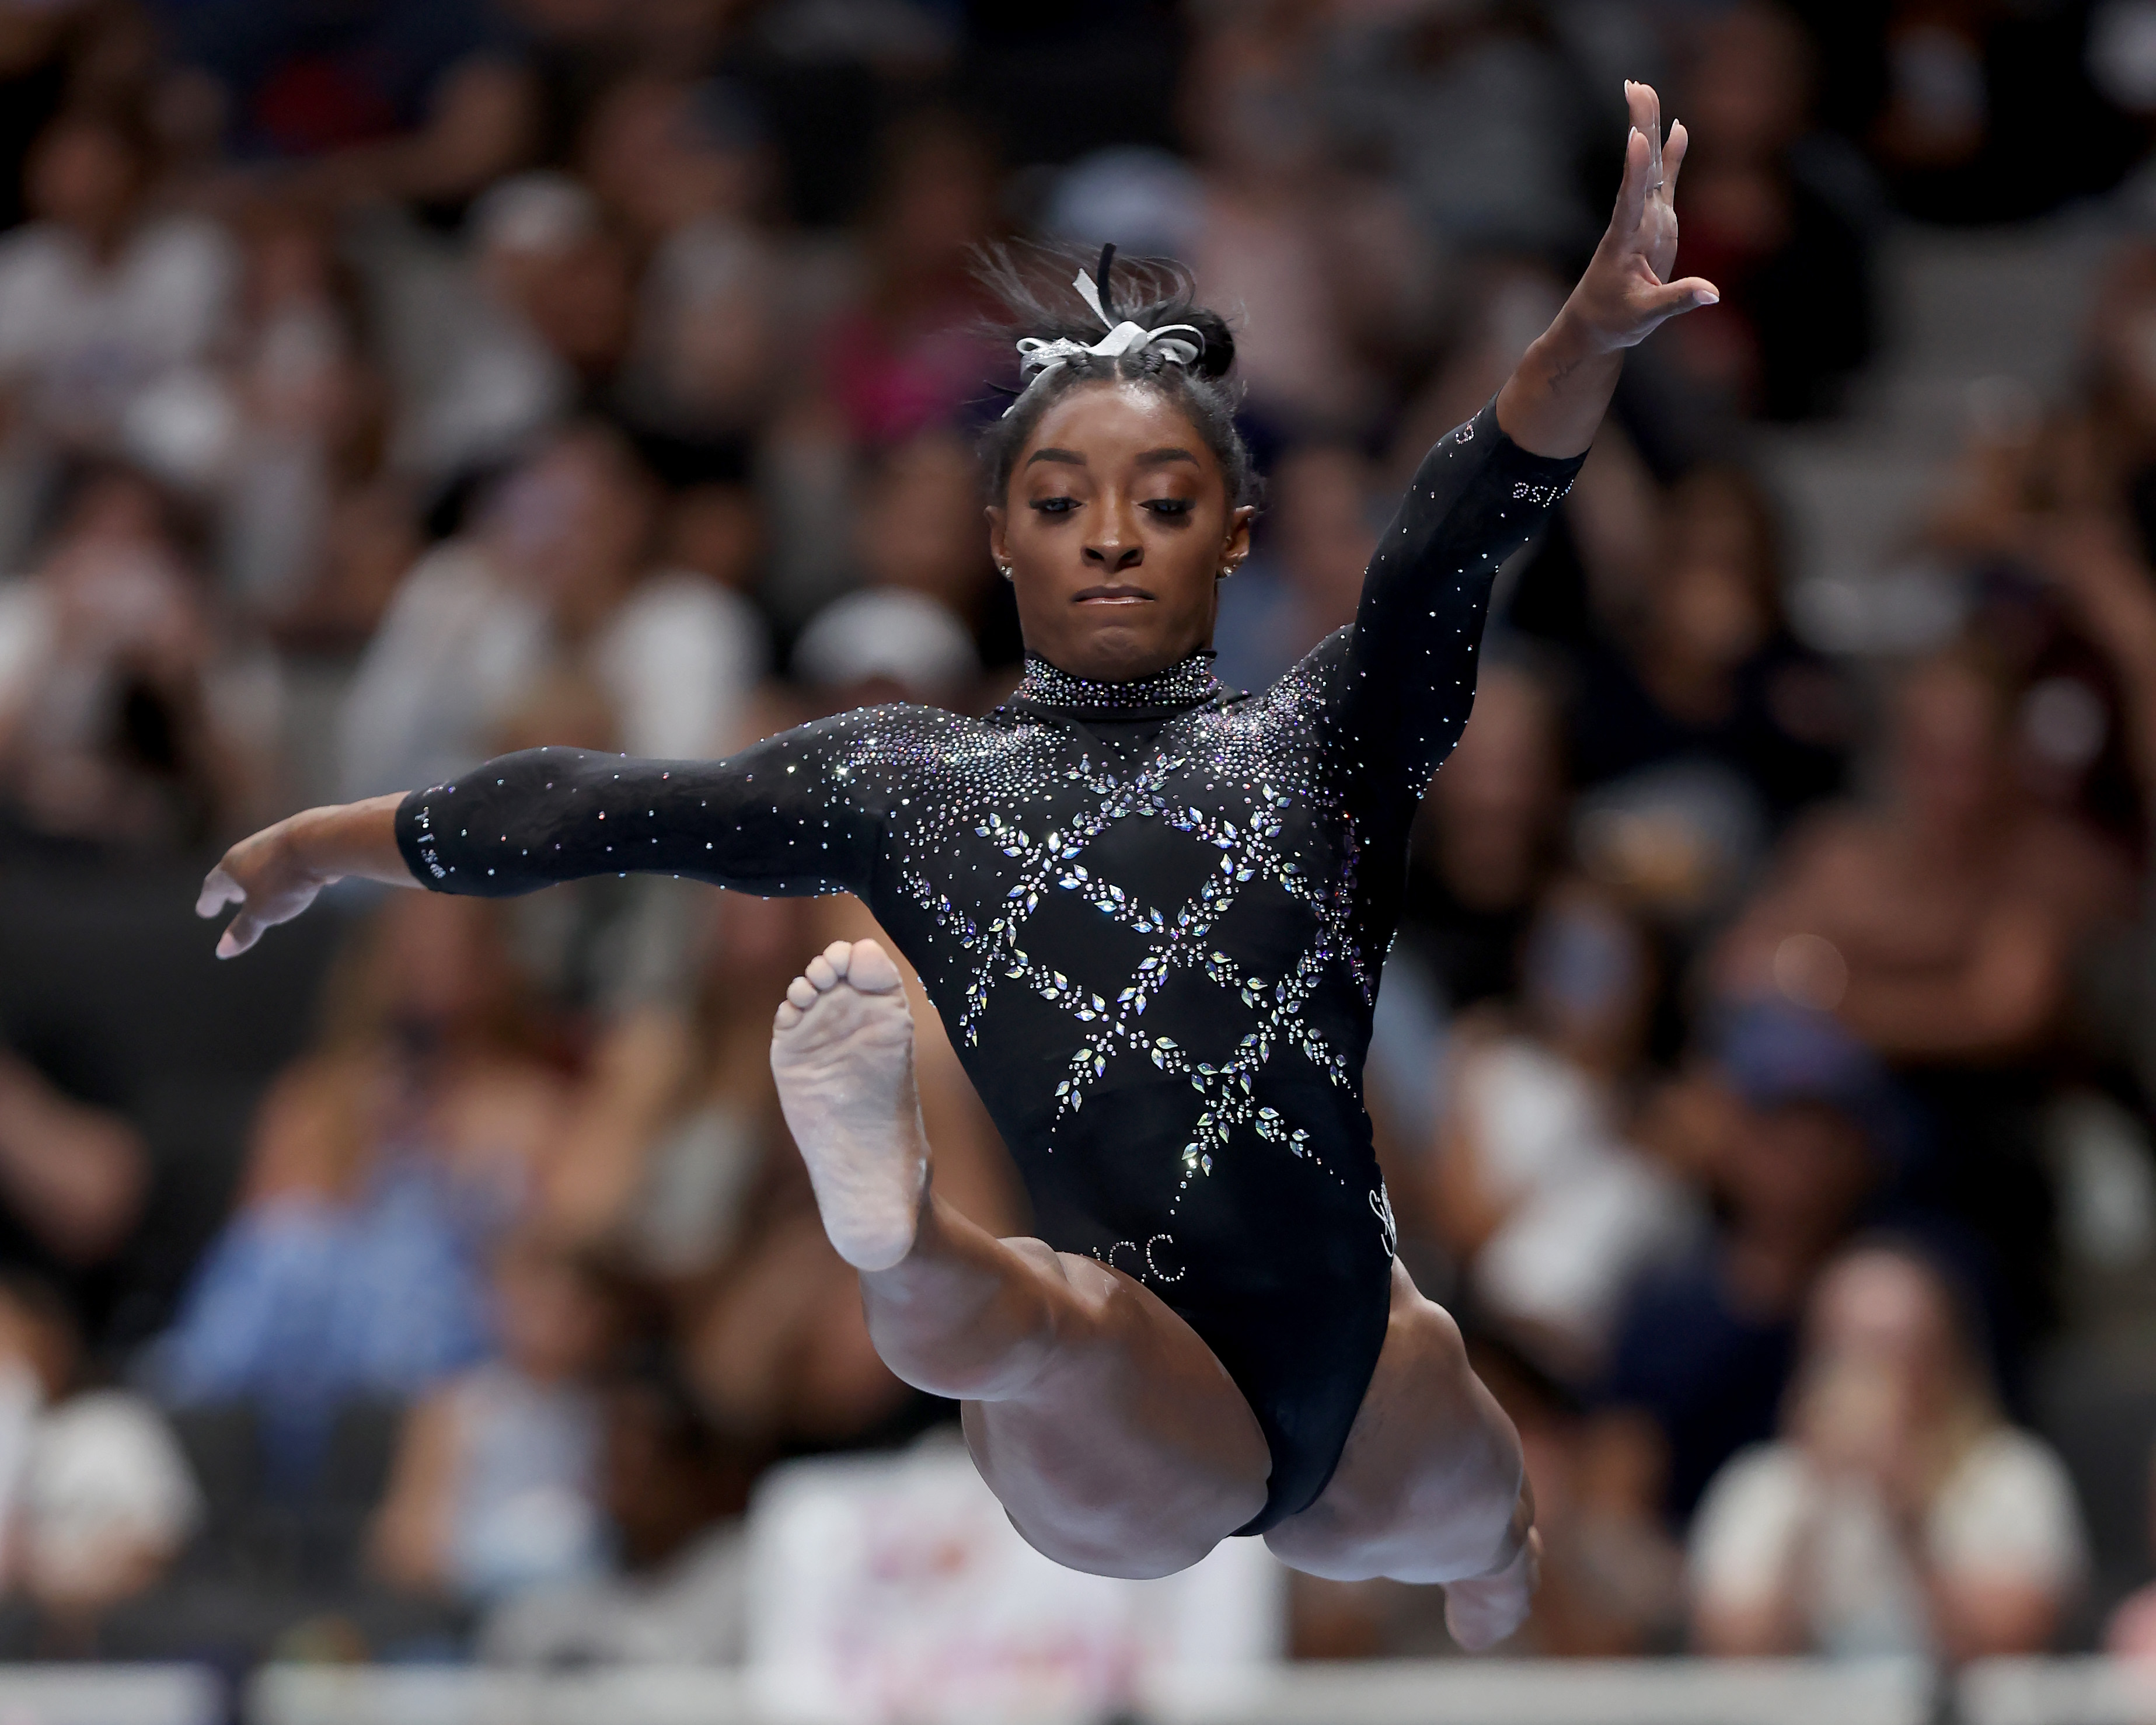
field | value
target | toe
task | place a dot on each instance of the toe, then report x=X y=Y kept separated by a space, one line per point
x=801 y=993
x=870 y=968
x=789 y=1015
x=821 y=972
x=838 y=955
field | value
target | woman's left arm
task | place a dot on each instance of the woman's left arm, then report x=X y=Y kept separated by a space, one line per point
x=1487 y=487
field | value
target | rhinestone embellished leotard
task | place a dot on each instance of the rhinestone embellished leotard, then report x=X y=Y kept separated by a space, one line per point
x=1152 y=915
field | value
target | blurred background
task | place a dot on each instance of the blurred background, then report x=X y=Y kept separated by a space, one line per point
x=1763 y=1072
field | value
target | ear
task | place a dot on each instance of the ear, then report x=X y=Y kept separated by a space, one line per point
x=998 y=549
x=1236 y=545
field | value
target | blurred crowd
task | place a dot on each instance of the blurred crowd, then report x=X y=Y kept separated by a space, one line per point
x=1763 y=1072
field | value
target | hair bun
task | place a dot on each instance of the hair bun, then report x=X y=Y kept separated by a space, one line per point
x=1219 y=352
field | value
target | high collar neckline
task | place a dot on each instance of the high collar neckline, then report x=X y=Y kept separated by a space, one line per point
x=1188 y=683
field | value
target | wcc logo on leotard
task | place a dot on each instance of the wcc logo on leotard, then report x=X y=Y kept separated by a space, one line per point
x=1381 y=1205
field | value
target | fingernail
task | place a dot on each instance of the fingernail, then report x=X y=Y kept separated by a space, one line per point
x=1710 y=299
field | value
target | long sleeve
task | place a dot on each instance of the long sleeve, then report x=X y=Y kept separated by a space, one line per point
x=798 y=814
x=1477 y=498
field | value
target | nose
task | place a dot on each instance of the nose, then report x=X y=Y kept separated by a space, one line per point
x=1116 y=547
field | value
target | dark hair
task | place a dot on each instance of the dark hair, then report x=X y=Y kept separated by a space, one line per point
x=1033 y=285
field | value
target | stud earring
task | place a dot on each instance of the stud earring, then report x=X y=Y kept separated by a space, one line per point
x=1003 y=570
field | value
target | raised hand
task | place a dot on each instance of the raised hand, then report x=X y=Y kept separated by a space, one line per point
x=1626 y=295
x=278 y=873
x=1553 y=402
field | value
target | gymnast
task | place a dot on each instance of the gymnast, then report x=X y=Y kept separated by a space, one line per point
x=1152 y=912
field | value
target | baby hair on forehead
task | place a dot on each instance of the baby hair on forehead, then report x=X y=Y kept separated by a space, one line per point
x=1077 y=320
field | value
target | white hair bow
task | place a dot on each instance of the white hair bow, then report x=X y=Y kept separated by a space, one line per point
x=1037 y=357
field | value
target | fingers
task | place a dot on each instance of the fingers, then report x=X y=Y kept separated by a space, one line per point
x=240 y=934
x=1646 y=108
x=1687 y=295
x=219 y=889
x=1646 y=169
x=1632 y=193
x=1673 y=155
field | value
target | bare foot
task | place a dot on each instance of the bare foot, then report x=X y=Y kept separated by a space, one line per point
x=842 y=1051
x=1485 y=1609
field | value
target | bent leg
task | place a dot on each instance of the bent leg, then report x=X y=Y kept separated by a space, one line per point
x=1115 y=1440
x=1431 y=1485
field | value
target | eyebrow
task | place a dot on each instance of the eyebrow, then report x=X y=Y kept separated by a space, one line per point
x=1070 y=457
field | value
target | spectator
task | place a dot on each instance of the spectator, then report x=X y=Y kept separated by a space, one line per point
x=681 y=169
x=667 y=1156
x=558 y=572
x=72 y=1181
x=382 y=1169
x=1776 y=215
x=1698 y=723
x=1488 y=840
x=902 y=359
x=497 y=1481
x=1299 y=246
x=308 y=416
x=1553 y=1214
x=1477 y=111
x=1898 y=1512
x=1801 y=1113
x=1940 y=927
x=127 y=717
x=1305 y=579
x=103 y=303
x=404 y=99
x=678 y=1595
x=96 y=1495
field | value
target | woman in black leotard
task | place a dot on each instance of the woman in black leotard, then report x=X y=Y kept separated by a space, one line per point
x=1152 y=912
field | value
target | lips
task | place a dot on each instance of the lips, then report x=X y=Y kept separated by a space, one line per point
x=1111 y=596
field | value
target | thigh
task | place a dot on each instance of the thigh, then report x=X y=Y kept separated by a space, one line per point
x=1134 y=1453
x=1427 y=1481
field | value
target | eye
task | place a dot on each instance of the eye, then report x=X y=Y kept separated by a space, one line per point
x=1175 y=508
x=1056 y=506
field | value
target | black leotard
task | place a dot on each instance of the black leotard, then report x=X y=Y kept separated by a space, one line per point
x=1152 y=915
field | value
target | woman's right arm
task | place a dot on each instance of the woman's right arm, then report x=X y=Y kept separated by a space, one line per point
x=784 y=817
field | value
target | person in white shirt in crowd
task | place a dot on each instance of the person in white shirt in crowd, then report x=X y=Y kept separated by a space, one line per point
x=1551 y=1212
x=1899 y=1512
x=557 y=573
x=96 y=1499
x=107 y=304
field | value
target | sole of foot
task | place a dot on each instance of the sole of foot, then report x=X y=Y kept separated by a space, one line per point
x=842 y=1052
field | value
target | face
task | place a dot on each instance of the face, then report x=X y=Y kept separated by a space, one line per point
x=1116 y=529
x=1949 y=735
x=554 y=1322
x=1885 y=1312
x=83 y=176
x=1799 y=1170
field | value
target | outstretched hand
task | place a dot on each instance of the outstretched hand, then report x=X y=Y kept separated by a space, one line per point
x=1552 y=403
x=265 y=878
x=279 y=872
x=1626 y=295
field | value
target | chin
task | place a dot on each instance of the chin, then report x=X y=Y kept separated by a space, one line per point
x=1116 y=655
